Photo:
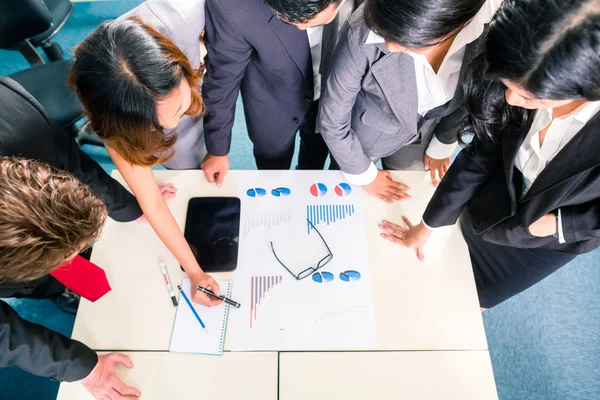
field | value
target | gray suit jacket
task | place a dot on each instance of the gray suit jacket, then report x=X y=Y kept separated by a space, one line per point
x=369 y=106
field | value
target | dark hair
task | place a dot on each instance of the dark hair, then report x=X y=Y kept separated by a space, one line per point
x=299 y=11
x=551 y=48
x=417 y=24
x=121 y=71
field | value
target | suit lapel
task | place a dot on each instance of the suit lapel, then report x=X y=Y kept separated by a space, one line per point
x=395 y=73
x=511 y=143
x=295 y=42
x=577 y=156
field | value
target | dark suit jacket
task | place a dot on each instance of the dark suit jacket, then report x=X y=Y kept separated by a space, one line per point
x=26 y=131
x=250 y=49
x=35 y=348
x=484 y=179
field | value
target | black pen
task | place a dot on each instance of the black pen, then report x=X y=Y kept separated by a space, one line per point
x=221 y=297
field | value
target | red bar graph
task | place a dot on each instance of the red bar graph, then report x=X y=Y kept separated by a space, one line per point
x=259 y=287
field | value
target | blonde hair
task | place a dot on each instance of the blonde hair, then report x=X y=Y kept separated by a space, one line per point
x=46 y=216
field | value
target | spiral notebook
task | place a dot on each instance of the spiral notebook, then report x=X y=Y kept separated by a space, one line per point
x=188 y=336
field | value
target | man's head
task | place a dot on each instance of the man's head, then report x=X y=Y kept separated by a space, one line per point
x=46 y=217
x=306 y=13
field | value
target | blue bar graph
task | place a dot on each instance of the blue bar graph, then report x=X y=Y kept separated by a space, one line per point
x=327 y=214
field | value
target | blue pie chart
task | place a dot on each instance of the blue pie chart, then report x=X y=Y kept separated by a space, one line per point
x=343 y=189
x=281 y=192
x=322 y=277
x=318 y=189
x=350 y=275
x=256 y=192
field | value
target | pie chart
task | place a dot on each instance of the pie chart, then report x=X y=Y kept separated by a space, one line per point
x=318 y=190
x=350 y=275
x=343 y=189
x=256 y=192
x=281 y=192
x=322 y=277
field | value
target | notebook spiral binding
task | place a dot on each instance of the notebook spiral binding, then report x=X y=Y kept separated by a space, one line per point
x=225 y=319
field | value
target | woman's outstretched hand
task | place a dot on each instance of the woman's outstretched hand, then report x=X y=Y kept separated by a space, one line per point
x=411 y=236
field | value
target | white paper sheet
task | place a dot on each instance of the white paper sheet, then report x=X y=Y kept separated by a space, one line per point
x=188 y=335
x=330 y=311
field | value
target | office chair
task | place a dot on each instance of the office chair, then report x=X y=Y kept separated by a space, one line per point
x=27 y=24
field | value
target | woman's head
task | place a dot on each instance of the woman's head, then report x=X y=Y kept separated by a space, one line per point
x=410 y=25
x=133 y=83
x=546 y=52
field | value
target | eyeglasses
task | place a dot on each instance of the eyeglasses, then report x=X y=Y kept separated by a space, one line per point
x=310 y=270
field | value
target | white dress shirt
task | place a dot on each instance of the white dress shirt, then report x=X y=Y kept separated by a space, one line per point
x=315 y=38
x=533 y=158
x=434 y=90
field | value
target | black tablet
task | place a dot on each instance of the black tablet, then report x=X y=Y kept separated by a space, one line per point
x=212 y=229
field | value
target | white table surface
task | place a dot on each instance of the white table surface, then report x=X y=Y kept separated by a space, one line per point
x=447 y=375
x=174 y=376
x=418 y=306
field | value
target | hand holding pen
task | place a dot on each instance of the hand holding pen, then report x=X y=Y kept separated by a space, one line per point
x=226 y=299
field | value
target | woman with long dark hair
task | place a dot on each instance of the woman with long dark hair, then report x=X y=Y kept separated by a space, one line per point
x=394 y=91
x=138 y=79
x=527 y=188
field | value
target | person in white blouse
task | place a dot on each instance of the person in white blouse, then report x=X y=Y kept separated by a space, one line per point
x=138 y=79
x=527 y=187
x=394 y=91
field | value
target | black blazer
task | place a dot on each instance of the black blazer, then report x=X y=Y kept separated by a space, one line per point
x=485 y=180
x=35 y=348
x=26 y=131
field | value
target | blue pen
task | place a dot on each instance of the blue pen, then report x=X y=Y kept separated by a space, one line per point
x=192 y=308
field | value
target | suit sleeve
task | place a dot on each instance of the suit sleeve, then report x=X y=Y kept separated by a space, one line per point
x=228 y=54
x=122 y=205
x=449 y=127
x=41 y=351
x=337 y=102
x=468 y=172
x=581 y=222
x=33 y=136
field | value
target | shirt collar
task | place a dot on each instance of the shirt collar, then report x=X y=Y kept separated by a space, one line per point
x=587 y=111
x=373 y=38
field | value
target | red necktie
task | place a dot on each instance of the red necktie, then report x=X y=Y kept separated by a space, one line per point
x=83 y=277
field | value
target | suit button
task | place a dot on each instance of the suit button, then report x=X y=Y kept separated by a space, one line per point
x=296 y=121
x=309 y=99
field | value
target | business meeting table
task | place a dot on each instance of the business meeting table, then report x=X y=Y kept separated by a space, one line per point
x=430 y=339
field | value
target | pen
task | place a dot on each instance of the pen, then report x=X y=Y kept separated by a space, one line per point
x=192 y=308
x=227 y=300
x=163 y=268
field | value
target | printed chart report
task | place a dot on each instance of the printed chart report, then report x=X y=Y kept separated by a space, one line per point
x=330 y=309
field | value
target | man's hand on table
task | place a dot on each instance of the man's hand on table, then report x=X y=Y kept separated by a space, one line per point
x=387 y=189
x=104 y=383
x=412 y=237
x=206 y=281
x=215 y=168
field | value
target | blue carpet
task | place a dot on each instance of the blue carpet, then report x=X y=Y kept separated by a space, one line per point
x=544 y=343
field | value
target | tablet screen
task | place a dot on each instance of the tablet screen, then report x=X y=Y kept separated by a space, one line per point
x=212 y=229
